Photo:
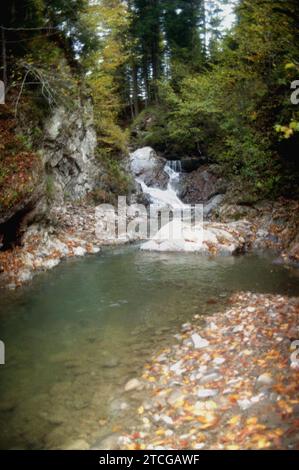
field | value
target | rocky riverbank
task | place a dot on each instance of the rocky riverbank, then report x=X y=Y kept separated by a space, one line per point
x=274 y=226
x=230 y=228
x=231 y=383
x=70 y=233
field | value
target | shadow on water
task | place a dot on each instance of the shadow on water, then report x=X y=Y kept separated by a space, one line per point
x=78 y=333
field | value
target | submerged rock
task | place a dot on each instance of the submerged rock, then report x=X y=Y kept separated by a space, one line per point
x=132 y=384
x=110 y=362
x=79 y=444
x=109 y=442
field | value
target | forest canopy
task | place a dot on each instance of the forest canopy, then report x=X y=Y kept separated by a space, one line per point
x=172 y=75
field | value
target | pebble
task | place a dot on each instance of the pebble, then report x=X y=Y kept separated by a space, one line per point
x=238 y=329
x=251 y=309
x=161 y=358
x=186 y=327
x=199 y=342
x=175 y=397
x=265 y=379
x=132 y=385
x=199 y=446
x=295 y=365
x=210 y=378
x=218 y=361
x=201 y=417
x=244 y=404
x=206 y=393
x=167 y=420
x=177 y=368
x=25 y=276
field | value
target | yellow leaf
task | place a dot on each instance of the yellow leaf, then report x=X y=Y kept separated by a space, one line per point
x=251 y=421
x=234 y=420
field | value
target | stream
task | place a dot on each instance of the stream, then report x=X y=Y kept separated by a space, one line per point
x=168 y=197
x=78 y=333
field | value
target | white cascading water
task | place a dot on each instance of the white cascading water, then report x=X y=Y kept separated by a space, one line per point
x=168 y=197
x=175 y=235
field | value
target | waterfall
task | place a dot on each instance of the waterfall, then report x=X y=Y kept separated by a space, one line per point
x=168 y=197
x=175 y=165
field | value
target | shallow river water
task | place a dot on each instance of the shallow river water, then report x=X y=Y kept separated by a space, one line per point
x=77 y=334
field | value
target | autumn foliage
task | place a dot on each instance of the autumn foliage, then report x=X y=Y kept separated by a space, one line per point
x=18 y=166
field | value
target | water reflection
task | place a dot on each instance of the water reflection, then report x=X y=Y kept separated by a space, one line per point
x=78 y=333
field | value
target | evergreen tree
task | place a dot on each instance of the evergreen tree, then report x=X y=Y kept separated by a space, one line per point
x=182 y=22
x=147 y=34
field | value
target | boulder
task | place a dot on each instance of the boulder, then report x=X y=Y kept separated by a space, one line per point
x=148 y=167
x=212 y=204
x=201 y=185
x=207 y=238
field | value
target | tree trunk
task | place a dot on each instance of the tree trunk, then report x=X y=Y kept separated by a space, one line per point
x=4 y=64
x=145 y=73
x=135 y=89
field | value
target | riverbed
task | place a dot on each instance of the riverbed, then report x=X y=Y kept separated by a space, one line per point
x=78 y=333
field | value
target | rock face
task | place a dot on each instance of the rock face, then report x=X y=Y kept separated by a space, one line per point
x=230 y=212
x=69 y=152
x=13 y=221
x=212 y=205
x=202 y=185
x=67 y=170
x=43 y=247
x=149 y=168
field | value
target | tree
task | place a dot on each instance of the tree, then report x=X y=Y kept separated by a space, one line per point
x=182 y=22
x=147 y=39
x=106 y=68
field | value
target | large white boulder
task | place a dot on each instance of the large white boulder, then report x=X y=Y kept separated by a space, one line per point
x=143 y=161
x=207 y=238
x=147 y=167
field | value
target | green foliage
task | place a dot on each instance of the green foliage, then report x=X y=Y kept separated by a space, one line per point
x=113 y=182
x=182 y=23
x=64 y=18
x=19 y=168
x=150 y=129
x=228 y=98
x=238 y=112
x=103 y=78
